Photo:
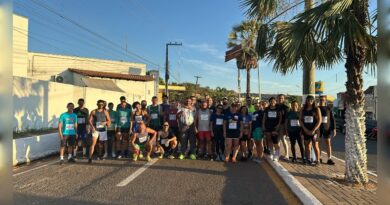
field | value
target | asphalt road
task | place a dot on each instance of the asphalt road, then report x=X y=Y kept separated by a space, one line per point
x=338 y=144
x=161 y=182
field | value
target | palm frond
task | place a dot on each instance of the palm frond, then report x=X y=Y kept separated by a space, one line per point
x=259 y=9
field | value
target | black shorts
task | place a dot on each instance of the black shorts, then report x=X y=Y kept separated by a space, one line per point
x=232 y=135
x=312 y=138
x=111 y=134
x=275 y=139
x=325 y=133
x=69 y=141
x=270 y=129
x=245 y=138
x=125 y=130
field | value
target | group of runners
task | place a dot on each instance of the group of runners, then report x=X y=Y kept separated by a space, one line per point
x=199 y=129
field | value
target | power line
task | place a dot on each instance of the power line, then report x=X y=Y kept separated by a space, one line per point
x=91 y=31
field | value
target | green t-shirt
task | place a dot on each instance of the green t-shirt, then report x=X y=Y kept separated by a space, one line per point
x=123 y=117
x=154 y=114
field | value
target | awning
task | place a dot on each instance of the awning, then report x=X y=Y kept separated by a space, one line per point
x=101 y=84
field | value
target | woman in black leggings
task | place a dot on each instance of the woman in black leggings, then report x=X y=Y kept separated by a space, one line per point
x=293 y=128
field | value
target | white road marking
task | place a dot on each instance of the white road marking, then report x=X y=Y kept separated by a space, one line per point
x=45 y=165
x=136 y=173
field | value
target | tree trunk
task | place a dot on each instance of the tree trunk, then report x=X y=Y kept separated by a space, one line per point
x=355 y=140
x=248 y=82
x=309 y=76
x=239 y=84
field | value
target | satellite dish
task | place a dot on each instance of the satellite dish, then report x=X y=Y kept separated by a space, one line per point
x=59 y=79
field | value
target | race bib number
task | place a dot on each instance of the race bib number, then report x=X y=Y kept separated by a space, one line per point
x=295 y=123
x=123 y=120
x=138 y=118
x=233 y=125
x=235 y=117
x=99 y=124
x=204 y=117
x=172 y=117
x=143 y=139
x=219 y=121
x=69 y=127
x=325 y=119
x=81 y=120
x=254 y=117
x=272 y=114
x=309 y=119
x=154 y=116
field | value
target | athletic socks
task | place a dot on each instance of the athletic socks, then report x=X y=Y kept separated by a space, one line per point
x=84 y=150
x=61 y=157
x=69 y=156
x=74 y=153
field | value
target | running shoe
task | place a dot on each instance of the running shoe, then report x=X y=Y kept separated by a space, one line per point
x=113 y=155
x=148 y=159
x=135 y=157
x=227 y=159
x=161 y=156
x=119 y=156
x=105 y=156
x=234 y=160
x=330 y=162
x=294 y=160
x=316 y=163
x=206 y=157
x=72 y=160
x=181 y=156
x=61 y=162
x=89 y=161
x=193 y=156
x=141 y=156
x=271 y=156
x=171 y=156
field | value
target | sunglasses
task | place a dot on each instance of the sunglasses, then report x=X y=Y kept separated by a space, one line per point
x=165 y=125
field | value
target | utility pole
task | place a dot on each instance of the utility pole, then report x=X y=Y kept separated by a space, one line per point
x=167 y=64
x=196 y=84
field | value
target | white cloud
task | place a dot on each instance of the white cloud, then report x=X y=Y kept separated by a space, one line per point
x=204 y=47
x=210 y=68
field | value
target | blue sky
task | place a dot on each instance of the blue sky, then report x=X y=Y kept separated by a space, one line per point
x=143 y=27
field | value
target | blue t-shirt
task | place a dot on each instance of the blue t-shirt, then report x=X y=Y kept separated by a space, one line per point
x=217 y=121
x=68 y=121
x=233 y=123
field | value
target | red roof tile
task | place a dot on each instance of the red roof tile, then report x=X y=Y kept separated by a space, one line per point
x=120 y=76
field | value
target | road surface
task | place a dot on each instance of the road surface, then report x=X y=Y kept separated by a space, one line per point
x=161 y=181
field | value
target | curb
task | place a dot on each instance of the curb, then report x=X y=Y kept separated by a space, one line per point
x=304 y=195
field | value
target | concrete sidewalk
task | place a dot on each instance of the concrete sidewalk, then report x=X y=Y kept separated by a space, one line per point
x=323 y=184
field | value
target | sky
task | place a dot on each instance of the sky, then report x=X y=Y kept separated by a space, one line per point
x=143 y=27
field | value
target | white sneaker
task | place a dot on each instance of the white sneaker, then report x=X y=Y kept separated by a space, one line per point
x=276 y=159
x=105 y=156
x=119 y=156
x=113 y=155
x=271 y=156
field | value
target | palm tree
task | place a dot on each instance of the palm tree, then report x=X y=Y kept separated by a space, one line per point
x=327 y=34
x=243 y=39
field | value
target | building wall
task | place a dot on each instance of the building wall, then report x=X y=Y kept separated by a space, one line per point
x=19 y=44
x=38 y=104
x=136 y=90
x=43 y=66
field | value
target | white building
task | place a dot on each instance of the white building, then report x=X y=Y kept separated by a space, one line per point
x=44 y=83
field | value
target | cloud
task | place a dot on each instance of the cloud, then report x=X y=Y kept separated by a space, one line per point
x=210 y=68
x=205 y=48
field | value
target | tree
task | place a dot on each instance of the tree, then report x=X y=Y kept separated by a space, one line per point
x=243 y=36
x=334 y=30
